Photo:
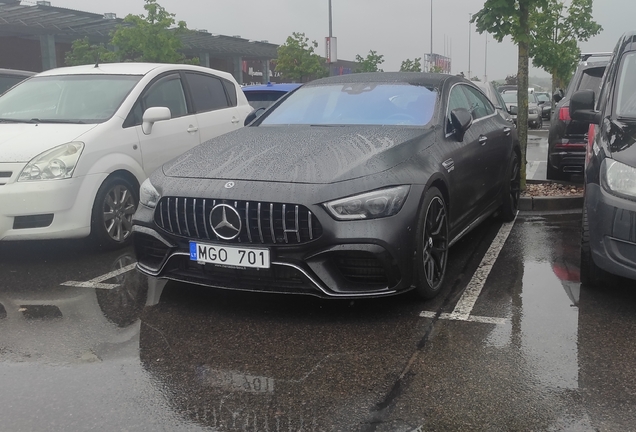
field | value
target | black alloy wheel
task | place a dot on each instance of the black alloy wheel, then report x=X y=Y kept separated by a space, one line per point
x=591 y=274
x=511 y=190
x=432 y=245
x=111 y=220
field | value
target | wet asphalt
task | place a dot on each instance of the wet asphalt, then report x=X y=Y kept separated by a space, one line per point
x=539 y=353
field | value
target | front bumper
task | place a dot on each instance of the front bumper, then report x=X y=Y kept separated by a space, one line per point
x=612 y=227
x=350 y=259
x=46 y=209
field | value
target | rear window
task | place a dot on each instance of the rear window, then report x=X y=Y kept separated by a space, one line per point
x=591 y=79
x=626 y=98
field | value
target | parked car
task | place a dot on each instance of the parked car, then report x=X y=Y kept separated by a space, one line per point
x=496 y=99
x=534 y=110
x=545 y=102
x=566 y=138
x=608 y=242
x=76 y=143
x=10 y=77
x=262 y=96
x=352 y=186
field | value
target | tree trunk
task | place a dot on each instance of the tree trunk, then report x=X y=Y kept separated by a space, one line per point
x=522 y=87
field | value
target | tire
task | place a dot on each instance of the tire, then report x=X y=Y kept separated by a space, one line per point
x=432 y=245
x=511 y=190
x=113 y=209
x=591 y=274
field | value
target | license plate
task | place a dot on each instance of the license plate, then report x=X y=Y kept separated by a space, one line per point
x=230 y=255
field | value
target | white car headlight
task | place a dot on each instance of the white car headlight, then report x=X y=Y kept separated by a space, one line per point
x=55 y=164
x=148 y=195
x=369 y=205
x=619 y=178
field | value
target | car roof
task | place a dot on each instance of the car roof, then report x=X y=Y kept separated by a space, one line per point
x=126 y=69
x=415 y=78
x=16 y=72
x=282 y=87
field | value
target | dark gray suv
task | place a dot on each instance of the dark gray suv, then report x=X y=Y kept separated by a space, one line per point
x=566 y=139
x=608 y=243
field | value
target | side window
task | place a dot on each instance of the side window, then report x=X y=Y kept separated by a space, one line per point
x=167 y=92
x=457 y=99
x=208 y=93
x=480 y=106
x=231 y=92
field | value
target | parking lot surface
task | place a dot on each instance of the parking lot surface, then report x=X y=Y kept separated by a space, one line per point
x=513 y=342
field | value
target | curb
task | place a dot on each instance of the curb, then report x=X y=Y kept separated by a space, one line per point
x=551 y=203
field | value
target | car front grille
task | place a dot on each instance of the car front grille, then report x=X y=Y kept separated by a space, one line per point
x=361 y=268
x=4 y=177
x=264 y=223
x=150 y=251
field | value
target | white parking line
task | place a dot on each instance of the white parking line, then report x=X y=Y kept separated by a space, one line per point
x=465 y=305
x=532 y=168
x=97 y=282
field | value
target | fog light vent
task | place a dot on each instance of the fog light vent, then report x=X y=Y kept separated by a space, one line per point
x=33 y=221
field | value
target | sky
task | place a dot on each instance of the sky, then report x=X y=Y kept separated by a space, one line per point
x=396 y=29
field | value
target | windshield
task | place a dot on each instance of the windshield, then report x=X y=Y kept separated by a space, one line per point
x=356 y=103
x=626 y=101
x=66 y=99
x=509 y=97
x=542 y=97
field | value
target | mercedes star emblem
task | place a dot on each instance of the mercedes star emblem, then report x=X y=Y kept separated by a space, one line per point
x=225 y=222
x=229 y=185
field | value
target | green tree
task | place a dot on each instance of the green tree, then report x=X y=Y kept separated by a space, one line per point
x=409 y=65
x=370 y=63
x=557 y=31
x=154 y=37
x=502 y=18
x=511 y=80
x=297 y=60
x=475 y=78
x=438 y=69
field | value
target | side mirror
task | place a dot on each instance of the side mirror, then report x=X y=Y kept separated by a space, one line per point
x=582 y=107
x=514 y=110
x=461 y=119
x=253 y=116
x=153 y=115
x=558 y=96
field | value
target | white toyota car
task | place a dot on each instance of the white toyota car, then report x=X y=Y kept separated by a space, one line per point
x=76 y=143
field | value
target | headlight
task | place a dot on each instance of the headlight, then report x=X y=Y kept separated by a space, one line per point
x=619 y=179
x=148 y=195
x=370 y=205
x=533 y=111
x=55 y=164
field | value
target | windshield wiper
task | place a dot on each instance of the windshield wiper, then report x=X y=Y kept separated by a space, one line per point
x=8 y=120
x=37 y=120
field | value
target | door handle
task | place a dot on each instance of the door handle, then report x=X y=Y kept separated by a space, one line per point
x=235 y=120
x=483 y=139
x=192 y=129
x=506 y=131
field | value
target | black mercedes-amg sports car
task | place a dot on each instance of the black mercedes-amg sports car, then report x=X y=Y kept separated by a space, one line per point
x=351 y=186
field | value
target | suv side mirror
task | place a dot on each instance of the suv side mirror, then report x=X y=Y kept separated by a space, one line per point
x=582 y=107
x=253 y=116
x=461 y=119
x=153 y=115
x=558 y=96
x=514 y=110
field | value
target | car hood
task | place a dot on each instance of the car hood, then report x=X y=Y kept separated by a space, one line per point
x=621 y=140
x=21 y=142
x=300 y=154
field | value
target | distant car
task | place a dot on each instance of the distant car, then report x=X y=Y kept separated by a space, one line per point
x=495 y=97
x=76 y=143
x=262 y=96
x=534 y=110
x=545 y=102
x=566 y=138
x=10 y=77
x=352 y=186
x=608 y=242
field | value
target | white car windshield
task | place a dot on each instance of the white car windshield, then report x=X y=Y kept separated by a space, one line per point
x=66 y=98
x=356 y=104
